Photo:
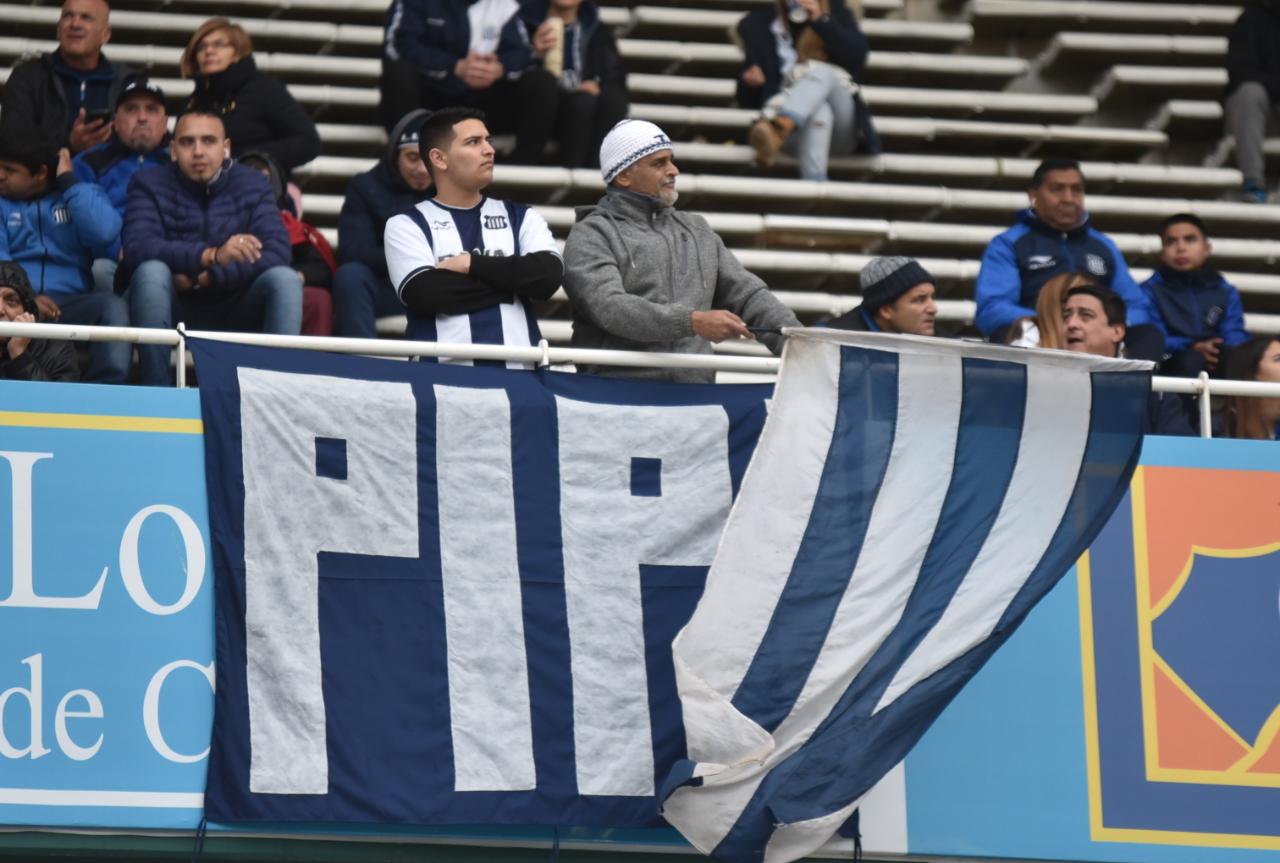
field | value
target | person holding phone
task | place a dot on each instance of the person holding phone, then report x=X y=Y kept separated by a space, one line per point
x=70 y=94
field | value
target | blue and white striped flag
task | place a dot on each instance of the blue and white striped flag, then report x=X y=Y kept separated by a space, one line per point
x=909 y=501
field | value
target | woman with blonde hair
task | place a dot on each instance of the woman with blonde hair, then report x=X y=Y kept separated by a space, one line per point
x=1045 y=329
x=257 y=109
x=1247 y=416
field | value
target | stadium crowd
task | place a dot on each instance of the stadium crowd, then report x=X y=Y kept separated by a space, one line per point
x=111 y=218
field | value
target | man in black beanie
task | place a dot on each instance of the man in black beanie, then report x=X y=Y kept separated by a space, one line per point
x=27 y=359
x=897 y=297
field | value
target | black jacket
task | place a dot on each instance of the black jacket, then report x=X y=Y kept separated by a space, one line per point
x=854 y=319
x=601 y=60
x=259 y=114
x=36 y=93
x=44 y=359
x=372 y=198
x=1253 y=48
x=846 y=46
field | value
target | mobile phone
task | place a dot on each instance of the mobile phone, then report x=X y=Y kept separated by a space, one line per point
x=100 y=115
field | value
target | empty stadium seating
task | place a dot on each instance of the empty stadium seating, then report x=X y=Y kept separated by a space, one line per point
x=968 y=97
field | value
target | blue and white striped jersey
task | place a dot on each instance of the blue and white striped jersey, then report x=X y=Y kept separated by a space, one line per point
x=419 y=238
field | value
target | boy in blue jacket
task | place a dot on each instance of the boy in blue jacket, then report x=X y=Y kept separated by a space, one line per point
x=54 y=226
x=1198 y=311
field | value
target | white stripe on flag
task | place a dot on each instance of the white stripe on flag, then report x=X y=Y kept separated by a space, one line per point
x=916 y=479
x=1055 y=433
x=484 y=619
x=787 y=466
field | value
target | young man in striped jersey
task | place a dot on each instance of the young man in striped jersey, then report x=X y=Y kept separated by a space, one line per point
x=468 y=267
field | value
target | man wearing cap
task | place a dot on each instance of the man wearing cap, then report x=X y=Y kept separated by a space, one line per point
x=362 y=290
x=466 y=266
x=140 y=139
x=644 y=277
x=23 y=358
x=69 y=94
x=897 y=297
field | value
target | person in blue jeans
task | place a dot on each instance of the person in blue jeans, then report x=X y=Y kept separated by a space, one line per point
x=54 y=225
x=1196 y=308
x=204 y=244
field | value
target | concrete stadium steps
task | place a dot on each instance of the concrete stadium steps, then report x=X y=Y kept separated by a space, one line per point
x=787 y=196
x=1021 y=18
x=887 y=66
x=1073 y=53
x=984 y=171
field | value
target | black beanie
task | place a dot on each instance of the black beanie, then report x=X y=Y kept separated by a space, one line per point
x=885 y=279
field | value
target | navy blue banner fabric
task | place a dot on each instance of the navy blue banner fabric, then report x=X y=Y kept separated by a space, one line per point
x=447 y=595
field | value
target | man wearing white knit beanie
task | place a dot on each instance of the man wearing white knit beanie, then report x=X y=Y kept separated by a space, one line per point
x=644 y=276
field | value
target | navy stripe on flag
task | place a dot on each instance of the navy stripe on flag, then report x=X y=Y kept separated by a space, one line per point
x=851 y=478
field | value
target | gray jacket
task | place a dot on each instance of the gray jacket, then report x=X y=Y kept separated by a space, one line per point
x=636 y=270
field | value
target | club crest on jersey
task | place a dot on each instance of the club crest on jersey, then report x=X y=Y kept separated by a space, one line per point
x=495 y=223
x=1095 y=265
x=60 y=215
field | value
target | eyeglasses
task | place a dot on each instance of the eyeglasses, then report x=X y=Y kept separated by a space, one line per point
x=216 y=45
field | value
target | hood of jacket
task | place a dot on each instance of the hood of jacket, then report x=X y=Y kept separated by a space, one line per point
x=12 y=275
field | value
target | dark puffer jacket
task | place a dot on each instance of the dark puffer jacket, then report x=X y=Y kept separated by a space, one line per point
x=259 y=114
x=44 y=359
x=169 y=218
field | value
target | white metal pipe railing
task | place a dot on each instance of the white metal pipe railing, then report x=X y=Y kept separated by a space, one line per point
x=541 y=355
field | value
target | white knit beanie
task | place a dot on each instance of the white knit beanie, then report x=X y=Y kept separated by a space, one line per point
x=627 y=143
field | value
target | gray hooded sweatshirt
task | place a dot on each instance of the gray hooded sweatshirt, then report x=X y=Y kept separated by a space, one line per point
x=636 y=270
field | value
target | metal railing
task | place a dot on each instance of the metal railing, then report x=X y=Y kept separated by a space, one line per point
x=542 y=355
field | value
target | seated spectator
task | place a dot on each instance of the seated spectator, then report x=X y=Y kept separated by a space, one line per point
x=139 y=139
x=1249 y=417
x=439 y=53
x=897 y=297
x=1045 y=329
x=69 y=95
x=1253 y=90
x=256 y=109
x=55 y=226
x=644 y=277
x=23 y=358
x=204 y=244
x=310 y=254
x=801 y=62
x=468 y=267
x=574 y=46
x=1093 y=323
x=1054 y=236
x=1198 y=311
x=362 y=289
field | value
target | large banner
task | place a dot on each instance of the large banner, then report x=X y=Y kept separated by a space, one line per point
x=447 y=594
x=1124 y=721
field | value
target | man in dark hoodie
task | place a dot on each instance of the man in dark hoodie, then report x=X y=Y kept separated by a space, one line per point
x=571 y=44
x=1253 y=90
x=27 y=359
x=1051 y=236
x=69 y=95
x=1198 y=310
x=362 y=290
x=645 y=277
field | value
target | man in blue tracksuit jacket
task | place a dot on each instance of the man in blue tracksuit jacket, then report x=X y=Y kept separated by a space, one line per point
x=1198 y=310
x=54 y=226
x=1051 y=237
